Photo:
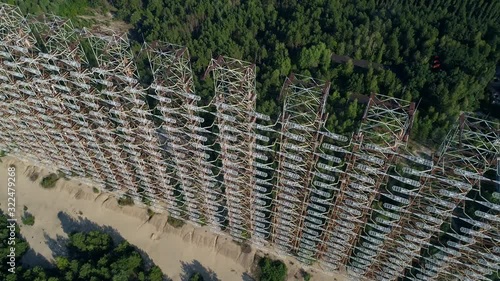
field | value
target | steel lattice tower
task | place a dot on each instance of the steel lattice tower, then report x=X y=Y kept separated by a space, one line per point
x=385 y=126
x=15 y=41
x=63 y=53
x=181 y=133
x=110 y=118
x=235 y=99
x=303 y=116
x=469 y=149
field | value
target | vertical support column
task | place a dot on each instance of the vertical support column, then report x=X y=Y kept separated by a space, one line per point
x=264 y=176
x=303 y=116
x=17 y=46
x=330 y=170
x=109 y=77
x=125 y=113
x=385 y=126
x=57 y=38
x=13 y=138
x=179 y=125
x=234 y=99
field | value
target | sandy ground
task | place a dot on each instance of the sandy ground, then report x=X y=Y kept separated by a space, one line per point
x=74 y=206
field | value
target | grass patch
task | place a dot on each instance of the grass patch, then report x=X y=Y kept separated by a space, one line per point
x=307 y=276
x=28 y=219
x=175 y=222
x=125 y=201
x=95 y=189
x=49 y=181
x=272 y=270
x=146 y=201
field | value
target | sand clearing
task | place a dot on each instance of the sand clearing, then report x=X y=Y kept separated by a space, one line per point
x=74 y=206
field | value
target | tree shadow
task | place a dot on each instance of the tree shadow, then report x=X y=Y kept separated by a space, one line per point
x=33 y=258
x=246 y=277
x=195 y=266
x=57 y=245
x=70 y=225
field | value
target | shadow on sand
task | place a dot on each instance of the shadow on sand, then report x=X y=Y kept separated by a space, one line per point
x=195 y=266
x=70 y=224
x=33 y=258
x=246 y=277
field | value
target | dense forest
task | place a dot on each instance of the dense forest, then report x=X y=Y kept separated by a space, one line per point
x=300 y=36
x=91 y=256
x=283 y=36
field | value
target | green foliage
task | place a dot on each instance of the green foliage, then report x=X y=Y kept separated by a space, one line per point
x=299 y=36
x=150 y=212
x=175 y=222
x=155 y=274
x=125 y=201
x=49 y=181
x=19 y=245
x=28 y=219
x=94 y=243
x=146 y=201
x=91 y=256
x=272 y=270
x=307 y=276
x=62 y=263
x=66 y=8
x=196 y=277
x=95 y=190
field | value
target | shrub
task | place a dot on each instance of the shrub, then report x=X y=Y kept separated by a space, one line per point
x=146 y=200
x=95 y=189
x=196 y=277
x=175 y=222
x=49 y=181
x=125 y=201
x=150 y=212
x=28 y=219
x=272 y=270
x=92 y=243
x=307 y=276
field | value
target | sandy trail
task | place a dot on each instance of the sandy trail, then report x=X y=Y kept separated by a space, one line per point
x=74 y=206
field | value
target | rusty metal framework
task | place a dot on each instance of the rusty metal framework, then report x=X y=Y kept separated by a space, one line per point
x=55 y=86
x=303 y=115
x=469 y=151
x=181 y=134
x=385 y=126
x=15 y=41
x=236 y=122
x=469 y=253
x=71 y=101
